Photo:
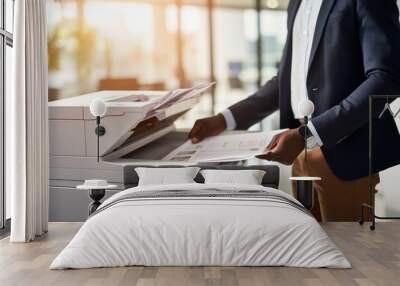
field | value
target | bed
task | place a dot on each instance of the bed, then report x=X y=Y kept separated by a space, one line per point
x=201 y=224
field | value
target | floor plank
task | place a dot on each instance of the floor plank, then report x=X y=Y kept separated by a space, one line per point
x=375 y=257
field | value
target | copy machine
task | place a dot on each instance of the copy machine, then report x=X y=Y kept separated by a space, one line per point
x=139 y=129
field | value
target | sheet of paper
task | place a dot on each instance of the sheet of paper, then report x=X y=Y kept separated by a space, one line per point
x=224 y=147
x=182 y=94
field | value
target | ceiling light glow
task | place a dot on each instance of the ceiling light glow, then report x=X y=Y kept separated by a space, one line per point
x=272 y=4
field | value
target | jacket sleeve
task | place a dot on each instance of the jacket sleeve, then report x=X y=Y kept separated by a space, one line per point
x=379 y=33
x=257 y=106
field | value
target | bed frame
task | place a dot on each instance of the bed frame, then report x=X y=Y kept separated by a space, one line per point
x=270 y=179
x=131 y=178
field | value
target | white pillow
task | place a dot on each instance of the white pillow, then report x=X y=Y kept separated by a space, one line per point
x=166 y=176
x=244 y=177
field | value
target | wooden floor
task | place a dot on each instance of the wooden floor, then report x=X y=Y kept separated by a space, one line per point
x=375 y=257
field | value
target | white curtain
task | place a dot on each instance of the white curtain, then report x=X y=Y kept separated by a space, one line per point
x=27 y=124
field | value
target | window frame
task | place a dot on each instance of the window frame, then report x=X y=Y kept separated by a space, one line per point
x=6 y=39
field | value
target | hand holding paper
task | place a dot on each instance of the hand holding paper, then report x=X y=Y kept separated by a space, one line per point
x=225 y=147
x=284 y=147
x=207 y=127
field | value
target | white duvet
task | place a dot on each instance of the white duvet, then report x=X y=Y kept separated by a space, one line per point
x=200 y=231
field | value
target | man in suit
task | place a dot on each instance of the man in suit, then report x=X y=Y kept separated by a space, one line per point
x=337 y=54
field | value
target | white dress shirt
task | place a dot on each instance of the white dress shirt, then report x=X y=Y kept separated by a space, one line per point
x=303 y=34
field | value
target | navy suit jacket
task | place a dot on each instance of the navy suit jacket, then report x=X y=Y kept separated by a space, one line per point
x=355 y=54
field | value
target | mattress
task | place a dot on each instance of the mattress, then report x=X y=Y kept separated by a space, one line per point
x=201 y=225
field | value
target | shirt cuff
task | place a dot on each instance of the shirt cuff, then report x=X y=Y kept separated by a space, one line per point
x=315 y=133
x=229 y=119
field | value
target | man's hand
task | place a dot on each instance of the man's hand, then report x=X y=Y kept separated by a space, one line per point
x=284 y=147
x=206 y=127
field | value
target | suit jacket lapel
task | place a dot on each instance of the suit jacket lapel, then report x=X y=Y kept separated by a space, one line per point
x=287 y=121
x=320 y=27
x=292 y=12
x=287 y=53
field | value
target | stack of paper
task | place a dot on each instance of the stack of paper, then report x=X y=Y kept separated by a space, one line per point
x=177 y=95
x=224 y=148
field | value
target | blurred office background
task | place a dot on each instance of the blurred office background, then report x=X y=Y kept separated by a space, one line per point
x=165 y=44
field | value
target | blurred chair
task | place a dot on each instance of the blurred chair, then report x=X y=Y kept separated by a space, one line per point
x=153 y=86
x=53 y=93
x=118 y=84
x=235 y=68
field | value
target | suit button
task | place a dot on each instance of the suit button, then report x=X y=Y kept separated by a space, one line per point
x=314 y=90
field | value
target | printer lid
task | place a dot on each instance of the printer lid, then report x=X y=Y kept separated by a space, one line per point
x=117 y=101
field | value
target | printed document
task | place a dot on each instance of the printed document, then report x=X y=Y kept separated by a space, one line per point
x=177 y=95
x=226 y=147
